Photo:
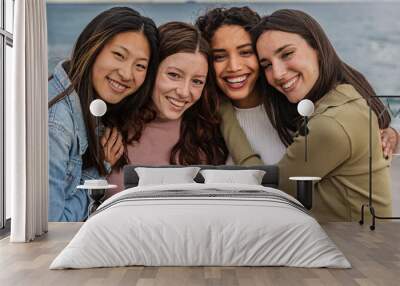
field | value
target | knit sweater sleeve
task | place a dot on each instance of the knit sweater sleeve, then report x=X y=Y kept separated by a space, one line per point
x=235 y=138
x=328 y=147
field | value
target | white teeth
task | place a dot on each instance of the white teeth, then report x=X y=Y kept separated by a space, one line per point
x=176 y=102
x=116 y=85
x=236 y=79
x=289 y=83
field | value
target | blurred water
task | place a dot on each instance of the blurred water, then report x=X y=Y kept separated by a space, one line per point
x=365 y=35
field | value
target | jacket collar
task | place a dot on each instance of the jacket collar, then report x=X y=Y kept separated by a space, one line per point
x=340 y=95
x=74 y=102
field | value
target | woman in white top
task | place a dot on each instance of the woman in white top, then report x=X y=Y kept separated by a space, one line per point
x=237 y=75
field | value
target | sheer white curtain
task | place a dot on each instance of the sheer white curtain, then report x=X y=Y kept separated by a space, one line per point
x=26 y=123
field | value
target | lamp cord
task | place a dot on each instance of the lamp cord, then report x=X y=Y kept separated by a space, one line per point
x=370 y=156
x=305 y=132
x=97 y=139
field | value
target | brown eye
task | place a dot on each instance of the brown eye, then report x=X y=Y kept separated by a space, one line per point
x=266 y=66
x=246 y=53
x=218 y=58
x=286 y=55
x=198 y=82
x=118 y=55
x=141 y=66
x=173 y=75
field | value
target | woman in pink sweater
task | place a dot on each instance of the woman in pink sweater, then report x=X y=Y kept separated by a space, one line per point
x=180 y=123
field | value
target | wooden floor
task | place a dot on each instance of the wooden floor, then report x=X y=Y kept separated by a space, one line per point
x=374 y=255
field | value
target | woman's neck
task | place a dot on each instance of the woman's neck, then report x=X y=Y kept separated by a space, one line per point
x=252 y=100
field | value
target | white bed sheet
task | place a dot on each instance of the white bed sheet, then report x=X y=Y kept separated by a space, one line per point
x=193 y=231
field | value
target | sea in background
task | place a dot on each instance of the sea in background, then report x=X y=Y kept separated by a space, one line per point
x=366 y=35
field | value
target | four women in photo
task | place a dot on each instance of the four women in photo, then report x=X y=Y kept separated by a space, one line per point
x=168 y=113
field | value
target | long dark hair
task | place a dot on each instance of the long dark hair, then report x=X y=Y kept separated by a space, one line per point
x=213 y=19
x=332 y=72
x=89 y=44
x=200 y=140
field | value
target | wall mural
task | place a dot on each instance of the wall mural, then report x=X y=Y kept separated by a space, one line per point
x=209 y=84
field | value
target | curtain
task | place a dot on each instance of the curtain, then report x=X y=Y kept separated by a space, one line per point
x=26 y=123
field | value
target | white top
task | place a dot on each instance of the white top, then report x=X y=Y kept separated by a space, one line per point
x=262 y=136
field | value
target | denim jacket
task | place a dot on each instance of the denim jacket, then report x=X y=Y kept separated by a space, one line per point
x=67 y=144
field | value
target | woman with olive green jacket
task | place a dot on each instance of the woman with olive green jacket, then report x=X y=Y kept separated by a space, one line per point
x=338 y=152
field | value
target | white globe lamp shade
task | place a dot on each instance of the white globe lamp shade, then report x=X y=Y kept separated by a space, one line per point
x=98 y=107
x=305 y=107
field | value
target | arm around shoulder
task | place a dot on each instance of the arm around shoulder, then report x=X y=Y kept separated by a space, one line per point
x=328 y=147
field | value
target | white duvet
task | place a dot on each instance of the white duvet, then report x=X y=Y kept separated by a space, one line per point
x=182 y=230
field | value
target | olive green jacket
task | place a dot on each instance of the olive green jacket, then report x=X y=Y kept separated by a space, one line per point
x=338 y=152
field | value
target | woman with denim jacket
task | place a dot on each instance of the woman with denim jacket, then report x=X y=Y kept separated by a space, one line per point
x=115 y=59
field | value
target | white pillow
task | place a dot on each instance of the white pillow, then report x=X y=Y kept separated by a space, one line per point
x=248 y=177
x=163 y=176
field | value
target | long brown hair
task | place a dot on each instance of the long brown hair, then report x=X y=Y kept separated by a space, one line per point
x=79 y=68
x=200 y=140
x=332 y=72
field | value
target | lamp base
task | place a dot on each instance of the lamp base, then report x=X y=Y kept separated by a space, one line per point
x=305 y=190
x=304 y=193
x=96 y=190
x=97 y=197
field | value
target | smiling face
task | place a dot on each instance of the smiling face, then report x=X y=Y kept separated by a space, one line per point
x=290 y=64
x=120 y=68
x=235 y=65
x=179 y=83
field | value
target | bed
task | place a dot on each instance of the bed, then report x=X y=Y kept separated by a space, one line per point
x=201 y=223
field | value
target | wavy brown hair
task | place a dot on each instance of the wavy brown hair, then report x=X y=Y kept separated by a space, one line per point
x=79 y=68
x=200 y=140
x=332 y=72
x=215 y=18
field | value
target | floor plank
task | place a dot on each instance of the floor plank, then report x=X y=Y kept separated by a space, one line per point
x=375 y=257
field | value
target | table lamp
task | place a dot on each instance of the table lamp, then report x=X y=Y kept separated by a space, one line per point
x=305 y=108
x=96 y=188
x=305 y=184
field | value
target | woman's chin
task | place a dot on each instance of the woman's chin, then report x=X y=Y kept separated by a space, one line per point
x=294 y=98
x=169 y=115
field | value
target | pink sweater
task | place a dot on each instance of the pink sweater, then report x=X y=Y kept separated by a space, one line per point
x=154 y=148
